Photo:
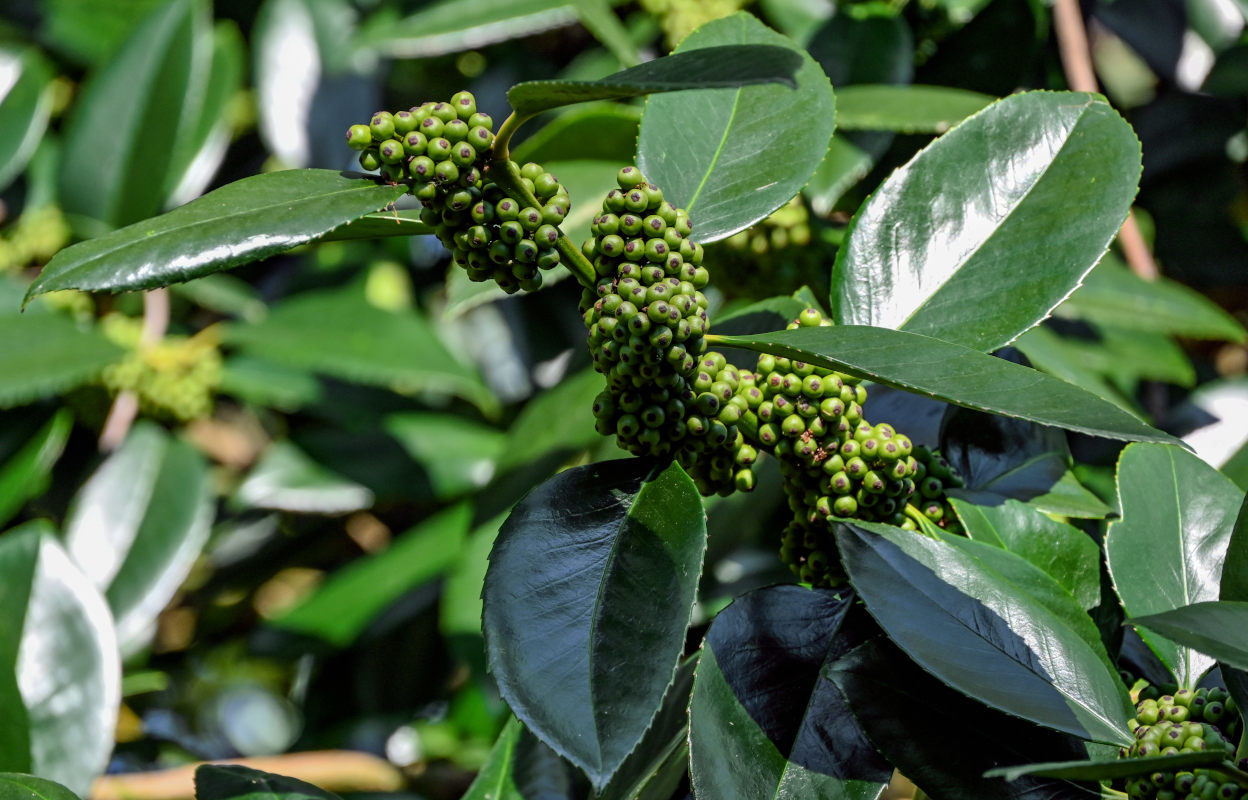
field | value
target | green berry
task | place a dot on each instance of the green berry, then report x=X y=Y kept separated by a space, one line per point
x=382 y=125
x=359 y=137
x=465 y=105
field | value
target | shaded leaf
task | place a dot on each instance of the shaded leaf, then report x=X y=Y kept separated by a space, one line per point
x=533 y=434
x=45 y=354
x=138 y=524
x=342 y=607
x=942 y=739
x=29 y=787
x=762 y=137
x=287 y=479
x=244 y=221
x=1110 y=769
x=661 y=760
x=594 y=132
x=338 y=333
x=521 y=767
x=457 y=455
x=235 y=782
x=1167 y=549
x=845 y=163
x=1234 y=584
x=146 y=93
x=67 y=666
x=952 y=373
x=905 y=109
x=970 y=625
x=592 y=576
x=1019 y=201
x=1217 y=628
x=25 y=106
x=759 y=691
x=26 y=474
x=453 y=25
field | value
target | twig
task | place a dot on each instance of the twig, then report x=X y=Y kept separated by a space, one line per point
x=126 y=405
x=1072 y=43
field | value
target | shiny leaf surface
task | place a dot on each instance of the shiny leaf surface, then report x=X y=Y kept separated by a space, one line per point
x=952 y=373
x=244 y=221
x=1020 y=201
x=592 y=576
x=966 y=621
x=452 y=25
x=766 y=138
x=1167 y=549
x=28 y=787
x=1217 y=628
x=905 y=109
x=287 y=479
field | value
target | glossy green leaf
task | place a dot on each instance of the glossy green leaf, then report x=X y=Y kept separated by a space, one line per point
x=1167 y=549
x=970 y=623
x=28 y=787
x=952 y=373
x=593 y=132
x=942 y=739
x=342 y=607
x=236 y=782
x=844 y=165
x=1217 y=628
x=336 y=332
x=66 y=661
x=288 y=72
x=449 y=26
x=1064 y=552
x=593 y=576
x=138 y=524
x=244 y=221
x=457 y=455
x=725 y=64
x=379 y=226
x=905 y=109
x=1110 y=769
x=26 y=474
x=521 y=767
x=533 y=435
x=286 y=479
x=766 y=138
x=45 y=354
x=1115 y=296
x=121 y=140
x=1234 y=585
x=762 y=722
x=25 y=106
x=1020 y=201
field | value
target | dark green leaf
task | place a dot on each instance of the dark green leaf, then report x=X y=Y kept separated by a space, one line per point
x=720 y=64
x=26 y=474
x=241 y=222
x=67 y=667
x=1001 y=458
x=1167 y=549
x=595 y=132
x=764 y=316
x=234 y=782
x=1217 y=628
x=593 y=576
x=1049 y=352
x=288 y=480
x=905 y=109
x=942 y=739
x=864 y=49
x=758 y=692
x=845 y=163
x=45 y=354
x=976 y=629
x=1234 y=585
x=1062 y=551
x=766 y=138
x=952 y=373
x=380 y=225
x=138 y=525
x=28 y=787
x=338 y=333
x=1108 y=770
x=535 y=432
x=453 y=25
x=17 y=552
x=1018 y=202
x=1113 y=295
x=458 y=456
x=521 y=767
x=25 y=106
x=657 y=766
x=121 y=139
x=1090 y=354
x=343 y=606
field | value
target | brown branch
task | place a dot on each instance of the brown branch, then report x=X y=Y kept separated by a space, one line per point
x=126 y=405
x=331 y=770
x=1072 y=43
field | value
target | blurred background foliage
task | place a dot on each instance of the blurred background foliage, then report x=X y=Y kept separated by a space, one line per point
x=291 y=533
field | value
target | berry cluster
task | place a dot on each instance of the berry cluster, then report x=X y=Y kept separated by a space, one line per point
x=442 y=151
x=646 y=316
x=777 y=255
x=174 y=378
x=1185 y=722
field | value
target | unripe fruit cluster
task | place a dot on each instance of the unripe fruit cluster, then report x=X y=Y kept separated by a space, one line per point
x=1186 y=722
x=646 y=317
x=441 y=150
x=174 y=378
